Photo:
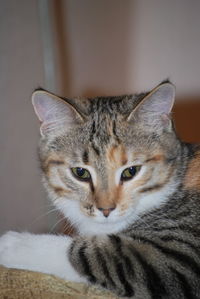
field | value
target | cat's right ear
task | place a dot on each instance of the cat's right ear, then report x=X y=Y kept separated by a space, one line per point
x=155 y=108
x=53 y=112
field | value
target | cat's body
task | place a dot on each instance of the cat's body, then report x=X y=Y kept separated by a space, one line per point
x=118 y=172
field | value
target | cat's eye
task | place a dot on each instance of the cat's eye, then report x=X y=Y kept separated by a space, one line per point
x=81 y=173
x=130 y=172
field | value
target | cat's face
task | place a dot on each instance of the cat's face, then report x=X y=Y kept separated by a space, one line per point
x=106 y=169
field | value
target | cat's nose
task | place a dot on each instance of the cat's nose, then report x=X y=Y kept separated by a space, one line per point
x=106 y=211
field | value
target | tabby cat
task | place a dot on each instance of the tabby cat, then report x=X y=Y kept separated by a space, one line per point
x=116 y=169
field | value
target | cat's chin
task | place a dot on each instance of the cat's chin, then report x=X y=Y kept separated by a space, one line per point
x=105 y=221
x=99 y=227
x=93 y=225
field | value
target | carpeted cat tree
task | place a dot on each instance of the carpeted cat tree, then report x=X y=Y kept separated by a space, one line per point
x=23 y=284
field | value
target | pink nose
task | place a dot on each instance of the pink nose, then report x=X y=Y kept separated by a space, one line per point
x=106 y=212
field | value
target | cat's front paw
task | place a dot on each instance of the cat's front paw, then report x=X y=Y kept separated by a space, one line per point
x=42 y=253
x=10 y=244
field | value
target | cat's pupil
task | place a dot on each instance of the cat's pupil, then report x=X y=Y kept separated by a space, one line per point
x=129 y=173
x=80 y=171
x=132 y=170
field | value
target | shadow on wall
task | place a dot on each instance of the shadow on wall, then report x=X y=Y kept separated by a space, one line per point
x=187 y=119
x=92 y=46
x=88 y=53
x=62 y=49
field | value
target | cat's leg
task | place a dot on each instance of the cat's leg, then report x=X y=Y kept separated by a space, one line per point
x=42 y=253
x=138 y=267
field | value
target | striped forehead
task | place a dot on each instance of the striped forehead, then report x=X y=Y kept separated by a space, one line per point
x=116 y=155
x=102 y=119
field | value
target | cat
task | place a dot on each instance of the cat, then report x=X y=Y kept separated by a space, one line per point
x=116 y=169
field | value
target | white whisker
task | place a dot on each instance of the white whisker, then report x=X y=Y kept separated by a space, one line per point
x=42 y=216
x=59 y=221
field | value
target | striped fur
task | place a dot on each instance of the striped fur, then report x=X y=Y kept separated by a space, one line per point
x=158 y=257
x=138 y=238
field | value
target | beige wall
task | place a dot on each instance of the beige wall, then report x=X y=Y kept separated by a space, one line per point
x=102 y=47
x=20 y=72
x=119 y=46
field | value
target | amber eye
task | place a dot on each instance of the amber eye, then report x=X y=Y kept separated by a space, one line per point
x=129 y=173
x=81 y=173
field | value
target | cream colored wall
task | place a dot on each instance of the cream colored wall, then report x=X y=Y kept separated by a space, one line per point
x=22 y=199
x=167 y=44
x=102 y=47
x=119 y=46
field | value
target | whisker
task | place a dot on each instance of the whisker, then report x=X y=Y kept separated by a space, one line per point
x=59 y=221
x=42 y=215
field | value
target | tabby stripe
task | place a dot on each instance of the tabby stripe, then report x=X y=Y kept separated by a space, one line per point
x=154 y=187
x=103 y=264
x=55 y=162
x=104 y=285
x=129 y=291
x=85 y=264
x=116 y=241
x=193 y=231
x=96 y=149
x=182 y=214
x=114 y=128
x=115 y=132
x=182 y=258
x=85 y=157
x=71 y=249
x=91 y=186
x=129 y=266
x=191 y=150
x=153 y=280
x=185 y=286
x=93 y=131
x=173 y=238
x=45 y=166
x=165 y=228
x=59 y=190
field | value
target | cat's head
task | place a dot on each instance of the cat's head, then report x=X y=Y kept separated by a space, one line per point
x=107 y=160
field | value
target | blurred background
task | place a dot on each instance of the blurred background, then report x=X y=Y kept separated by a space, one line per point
x=85 y=48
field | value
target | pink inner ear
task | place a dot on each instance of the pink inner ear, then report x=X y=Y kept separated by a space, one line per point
x=53 y=112
x=40 y=106
x=159 y=101
x=47 y=108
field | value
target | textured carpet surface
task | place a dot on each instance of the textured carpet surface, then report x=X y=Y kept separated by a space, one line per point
x=23 y=284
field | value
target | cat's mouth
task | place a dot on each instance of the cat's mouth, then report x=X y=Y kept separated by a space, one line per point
x=113 y=218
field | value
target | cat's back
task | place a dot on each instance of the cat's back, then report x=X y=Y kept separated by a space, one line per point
x=191 y=181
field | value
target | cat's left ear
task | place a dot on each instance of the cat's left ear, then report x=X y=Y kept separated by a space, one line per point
x=54 y=113
x=156 y=107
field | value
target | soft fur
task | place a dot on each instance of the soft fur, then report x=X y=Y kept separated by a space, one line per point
x=138 y=236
